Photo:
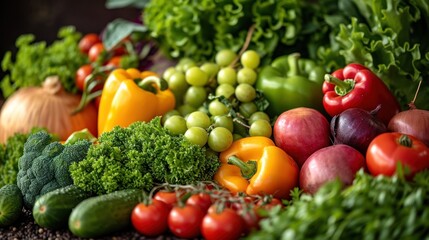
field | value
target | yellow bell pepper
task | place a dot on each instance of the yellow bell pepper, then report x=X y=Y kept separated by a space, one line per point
x=254 y=165
x=130 y=95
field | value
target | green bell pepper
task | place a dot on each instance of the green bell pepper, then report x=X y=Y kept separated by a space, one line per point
x=290 y=82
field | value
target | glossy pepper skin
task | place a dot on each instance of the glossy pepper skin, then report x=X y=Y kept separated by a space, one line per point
x=291 y=82
x=264 y=168
x=126 y=99
x=355 y=86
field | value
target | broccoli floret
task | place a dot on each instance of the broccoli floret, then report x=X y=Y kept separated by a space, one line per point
x=139 y=156
x=44 y=165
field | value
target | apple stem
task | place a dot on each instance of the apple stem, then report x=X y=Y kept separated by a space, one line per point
x=248 y=169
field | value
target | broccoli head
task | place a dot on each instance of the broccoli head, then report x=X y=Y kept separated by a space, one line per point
x=44 y=165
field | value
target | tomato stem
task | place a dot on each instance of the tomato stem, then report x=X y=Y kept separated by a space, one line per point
x=404 y=140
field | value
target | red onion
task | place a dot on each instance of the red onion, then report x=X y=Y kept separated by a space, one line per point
x=356 y=127
x=414 y=122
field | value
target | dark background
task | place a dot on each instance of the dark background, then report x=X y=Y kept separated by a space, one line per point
x=43 y=18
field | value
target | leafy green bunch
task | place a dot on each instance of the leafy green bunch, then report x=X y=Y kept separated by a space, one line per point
x=198 y=29
x=139 y=156
x=372 y=208
x=34 y=61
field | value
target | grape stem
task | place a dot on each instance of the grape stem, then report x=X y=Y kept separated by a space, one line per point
x=245 y=45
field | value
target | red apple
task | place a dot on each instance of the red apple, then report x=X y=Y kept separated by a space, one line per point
x=333 y=162
x=300 y=132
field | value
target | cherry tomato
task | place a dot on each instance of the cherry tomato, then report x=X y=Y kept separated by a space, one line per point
x=151 y=219
x=251 y=219
x=268 y=203
x=81 y=75
x=202 y=200
x=87 y=41
x=95 y=51
x=169 y=197
x=185 y=221
x=114 y=62
x=224 y=225
x=388 y=149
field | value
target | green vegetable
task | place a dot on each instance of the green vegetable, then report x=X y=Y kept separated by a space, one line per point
x=372 y=208
x=10 y=152
x=52 y=210
x=139 y=156
x=10 y=204
x=104 y=214
x=34 y=61
x=199 y=29
x=43 y=167
x=389 y=37
x=290 y=82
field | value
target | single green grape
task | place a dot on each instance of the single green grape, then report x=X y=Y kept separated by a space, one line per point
x=223 y=121
x=247 y=109
x=219 y=139
x=260 y=127
x=196 y=77
x=176 y=125
x=258 y=115
x=198 y=119
x=169 y=114
x=225 y=57
x=217 y=108
x=186 y=109
x=225 y=89
x=227 y=75
x=250 y=59
x=177 y=82
x=168 y=73
x=246 y=75
x=245 y=92
x=210 y=68
x=197 y=135
x=195 y=96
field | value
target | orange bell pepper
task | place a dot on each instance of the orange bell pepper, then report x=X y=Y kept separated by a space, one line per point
x=254 y=165
x=129 y=96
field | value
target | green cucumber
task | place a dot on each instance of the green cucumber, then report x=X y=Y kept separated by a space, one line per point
x=11 y=204
x=104 y=214
x=52 y=210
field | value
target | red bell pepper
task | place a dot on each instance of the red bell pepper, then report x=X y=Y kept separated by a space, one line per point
x=355 y=86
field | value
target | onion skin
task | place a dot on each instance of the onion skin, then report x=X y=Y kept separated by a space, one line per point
x=357 y=128
x=48 y=107
x=414 y=122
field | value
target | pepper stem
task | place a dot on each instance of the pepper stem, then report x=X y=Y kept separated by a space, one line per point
x=248 y=169
x=341 y=87
x=293 y=64
x=404 y=140
x=147 y=83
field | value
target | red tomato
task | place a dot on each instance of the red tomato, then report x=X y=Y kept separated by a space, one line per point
x=151 y=219
x=251 y=219
x=202 y=200
x=185 y=221
x=388 y=149
x=268 y=203
x=224 y=225
x=95 y=51
x=87 y=41
x=81 y=75
x=114 y=62
x=169 y=197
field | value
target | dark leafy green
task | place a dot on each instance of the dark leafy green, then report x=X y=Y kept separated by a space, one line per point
x=372 y=208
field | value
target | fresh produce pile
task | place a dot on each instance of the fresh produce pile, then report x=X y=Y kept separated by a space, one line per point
x=222 y=120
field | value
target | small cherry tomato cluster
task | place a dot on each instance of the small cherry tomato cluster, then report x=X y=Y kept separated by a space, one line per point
x=205 y=210
x=90 y=77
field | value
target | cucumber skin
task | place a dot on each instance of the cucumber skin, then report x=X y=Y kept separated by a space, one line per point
x=58 y=205
x=104 y=214
x=11 y=204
